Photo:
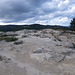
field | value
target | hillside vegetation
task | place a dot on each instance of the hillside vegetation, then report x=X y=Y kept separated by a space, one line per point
x=33 y=26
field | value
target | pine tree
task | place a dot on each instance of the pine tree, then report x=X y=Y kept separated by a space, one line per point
x=72 y=24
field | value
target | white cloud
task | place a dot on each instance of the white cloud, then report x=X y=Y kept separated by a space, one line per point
x=41 y=22
x=60 y=21
x=62 y=3
x=47 y=16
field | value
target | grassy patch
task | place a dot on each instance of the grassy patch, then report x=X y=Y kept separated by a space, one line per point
x=3 y=35
x=8 y=39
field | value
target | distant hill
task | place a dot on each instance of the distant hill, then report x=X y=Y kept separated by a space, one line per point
x=32 y=26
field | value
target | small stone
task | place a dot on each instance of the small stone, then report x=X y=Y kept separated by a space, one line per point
x=18 y=42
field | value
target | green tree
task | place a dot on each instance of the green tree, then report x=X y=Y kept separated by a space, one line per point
x=72 y=24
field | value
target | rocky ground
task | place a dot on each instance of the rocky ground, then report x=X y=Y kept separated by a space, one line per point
x=43 y=52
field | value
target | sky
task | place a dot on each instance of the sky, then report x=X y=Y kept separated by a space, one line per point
x=46 y=12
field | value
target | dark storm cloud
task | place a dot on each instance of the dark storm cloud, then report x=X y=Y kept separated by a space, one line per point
x=36 y=10
x=17 y=10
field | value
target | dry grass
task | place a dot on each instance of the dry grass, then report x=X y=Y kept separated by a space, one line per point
x=55 y=36
x=24 y=36
x=67 y=73
x=73 y=45
x=1 y=58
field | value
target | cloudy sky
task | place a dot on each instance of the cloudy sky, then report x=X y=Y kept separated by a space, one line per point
x=47 y=12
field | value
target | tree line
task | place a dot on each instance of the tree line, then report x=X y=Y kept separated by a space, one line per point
x=37 y=27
